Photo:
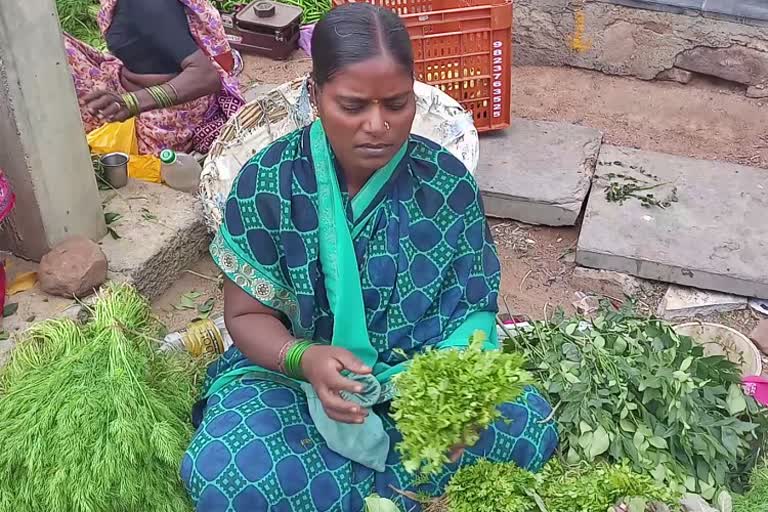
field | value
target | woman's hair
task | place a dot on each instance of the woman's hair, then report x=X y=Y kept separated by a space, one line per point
x=355 y=32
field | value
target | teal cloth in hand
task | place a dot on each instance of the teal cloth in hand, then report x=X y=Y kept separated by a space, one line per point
x=365 y=443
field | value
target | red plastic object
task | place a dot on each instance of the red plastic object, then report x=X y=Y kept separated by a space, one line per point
x=463 y=47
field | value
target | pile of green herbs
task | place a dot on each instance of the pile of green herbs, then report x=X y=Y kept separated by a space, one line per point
x=92 y=417
x=628 y=388
x=446 y=397
x=493 y=487
x=756 y=499
x=78 y=19
x=312 y=10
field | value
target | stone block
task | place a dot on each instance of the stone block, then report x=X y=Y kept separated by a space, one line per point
x=713 y=237
x=162 y=233
x=736 y=63
x=605 y=283
x=684 y=302
x=757 y=91
x=537 y=172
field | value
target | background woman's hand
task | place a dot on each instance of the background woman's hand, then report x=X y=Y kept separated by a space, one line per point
x=322 y=366
x=106 y=106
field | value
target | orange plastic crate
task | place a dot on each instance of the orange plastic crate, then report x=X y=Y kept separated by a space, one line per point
x=465 y=49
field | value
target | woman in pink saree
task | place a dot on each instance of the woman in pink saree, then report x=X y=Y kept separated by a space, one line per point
x=169 y=65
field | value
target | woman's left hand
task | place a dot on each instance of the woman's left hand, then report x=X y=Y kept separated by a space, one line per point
x=106 y=106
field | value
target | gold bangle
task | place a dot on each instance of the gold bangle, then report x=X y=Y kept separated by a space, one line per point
x=135 y=109
x=152 y=92
x=166 y=96
x=131 y=103
x=174 y=91
x=161 y=96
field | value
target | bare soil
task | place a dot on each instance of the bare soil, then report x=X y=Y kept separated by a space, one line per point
x=704 y=119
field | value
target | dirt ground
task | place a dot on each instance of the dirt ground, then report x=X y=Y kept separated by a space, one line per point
x=704 y=119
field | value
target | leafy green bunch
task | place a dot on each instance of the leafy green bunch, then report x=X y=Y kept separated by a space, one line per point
x=490 y=487
x=597 y=487
x=92 y=417
x=78 y=19
x=446 y=397
x=493 y=487
x=632 y=388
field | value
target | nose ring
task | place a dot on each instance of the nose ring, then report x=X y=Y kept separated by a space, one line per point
x=386 y=125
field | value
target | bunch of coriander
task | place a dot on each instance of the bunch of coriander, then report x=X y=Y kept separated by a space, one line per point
x=447 y=397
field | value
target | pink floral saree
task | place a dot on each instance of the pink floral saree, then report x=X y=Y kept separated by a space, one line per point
x=193 y=125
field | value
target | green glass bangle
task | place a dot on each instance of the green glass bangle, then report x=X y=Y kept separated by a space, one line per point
x=293 y=358
x=131 y=103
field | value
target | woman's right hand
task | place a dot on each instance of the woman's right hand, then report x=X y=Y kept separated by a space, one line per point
x=322 y=366
x=107 y=106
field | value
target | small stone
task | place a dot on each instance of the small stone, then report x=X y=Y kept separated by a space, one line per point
x=678 y=75
x=760 y=336
x=757 y=91
x=684 y=302
x=748 y=66
x=695 y=503
x=74 y=268
x=585 y=304
x=606 y=283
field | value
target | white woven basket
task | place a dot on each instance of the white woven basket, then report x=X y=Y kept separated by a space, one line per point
x=439 y=118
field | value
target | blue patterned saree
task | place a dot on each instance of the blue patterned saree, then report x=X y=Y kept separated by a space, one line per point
x=406 y=263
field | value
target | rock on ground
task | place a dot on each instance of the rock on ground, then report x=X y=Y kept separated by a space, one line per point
x=684 y=302
x=757 y=91
x=605 y=282
x=537 y=172
x=74 y=268
x=736 y=63
x=678 y=75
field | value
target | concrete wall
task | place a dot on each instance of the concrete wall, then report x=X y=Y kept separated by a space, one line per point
x=647 y=44
x=43 y=150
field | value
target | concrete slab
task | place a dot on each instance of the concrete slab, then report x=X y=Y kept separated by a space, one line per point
x=537 y=172
x=162 y=233
x=714 y=237
x=685 y=302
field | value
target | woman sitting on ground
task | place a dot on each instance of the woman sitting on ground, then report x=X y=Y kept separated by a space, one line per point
x=169 y=67
x=346 y=244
